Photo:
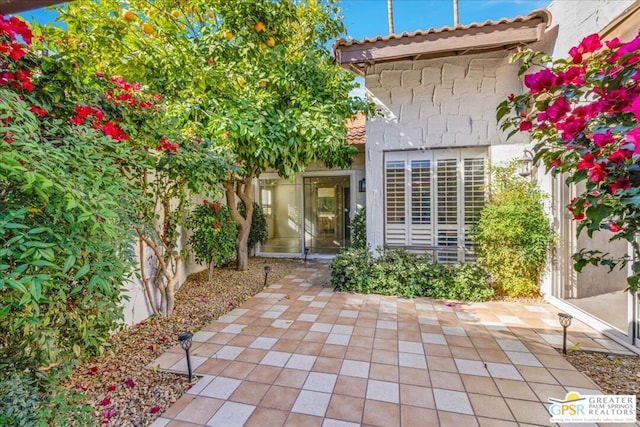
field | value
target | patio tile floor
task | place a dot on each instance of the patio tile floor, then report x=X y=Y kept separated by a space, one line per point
x=299 y=354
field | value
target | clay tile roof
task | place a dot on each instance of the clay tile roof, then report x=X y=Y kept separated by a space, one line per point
x=458 y=38
x=356 y=130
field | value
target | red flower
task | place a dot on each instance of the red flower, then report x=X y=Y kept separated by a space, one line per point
x=587 y=162
x=106 y=401
x=525 y=125
x=155 y=409
x=597 y=174
x=80 y=388
x=579 y=217
x=555 y=163
x=619 y=156
x=38 y=111
x=620 y=184
x=129 y=383
x=93 y=370
x=615 y=228
x=111 y=387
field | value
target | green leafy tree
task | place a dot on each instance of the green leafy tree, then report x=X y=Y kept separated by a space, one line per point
x=213 y=234
x=255 y=76
x=513 y=233
x=359 y=229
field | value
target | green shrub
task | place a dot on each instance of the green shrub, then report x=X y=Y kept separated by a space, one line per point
x=258 y=232
x=513 y=234
x=359 y=229
x=398 y=272
x=213 y=237
x=28 y=399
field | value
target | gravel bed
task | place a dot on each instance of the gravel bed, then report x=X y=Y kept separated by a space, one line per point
x=118 y=384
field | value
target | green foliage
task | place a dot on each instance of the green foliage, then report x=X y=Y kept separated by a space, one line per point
x=63 y=224
x=258 y=232
x=398 y=272
x=30 y=399
x=513 y=233
x=359 y=229
x=213 y=234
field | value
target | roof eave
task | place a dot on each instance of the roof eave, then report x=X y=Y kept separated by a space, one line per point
x=356 y=56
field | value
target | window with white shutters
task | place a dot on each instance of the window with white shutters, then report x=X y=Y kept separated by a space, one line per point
x=443 y=192
x=395 y=192
x=421 y=192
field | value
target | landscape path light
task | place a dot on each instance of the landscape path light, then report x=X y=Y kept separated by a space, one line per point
x=565 y=322
x=185 y=342
x=267 y=269
x=306 y=253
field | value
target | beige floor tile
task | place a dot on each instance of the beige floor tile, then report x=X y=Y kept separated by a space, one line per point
x=291 y=378
x=482 y=385
x=488 y=343
x=264 y=374
x=329 y=365
x=437 y=350
x=345 y=408
x=239 y=370
x=490 y=406
x=360 y=341
x=384 y=372
x=572 y=378
x=381 y=414
x=451 y=419
x=385 y=356
x=212 y=367
x=416 y=396
x=411 y=416
x=492 y=422
x=415 y=376
x=199 y=410
x=310 y=348
x=438 y=363
x=545 y=391
x=446 y=380
x=330 y=350
x=351 y=386
x=178 y=406
x=301 y=420
x=464 y=353
x=492 y=355
x=278 y=397
x=515 y=389
x=262 y=416
x=534 y=374
x=251 y=355
x=556 y=361
x=206 y=350
x=249 y=392
x=178 y=423
x=529 y=412
x=454 y=340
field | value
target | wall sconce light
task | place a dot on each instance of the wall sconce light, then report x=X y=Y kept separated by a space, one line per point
x=267 y=269
x=525 y=164
x=362 y=185
x=565 y=322
x=185 y=343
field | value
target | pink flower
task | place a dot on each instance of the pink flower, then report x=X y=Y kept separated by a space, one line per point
x=540 y=81
x=109 y=413
x=106 y=401
x=615 y=228
x=633 y=136
x=555 y=163
x=602 y=139
x=129 y=383
x=558 y=109
x=155 y=409
x=591 y=43
x=635 y=108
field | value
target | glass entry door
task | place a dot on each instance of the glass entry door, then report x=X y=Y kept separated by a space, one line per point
x=327 y=202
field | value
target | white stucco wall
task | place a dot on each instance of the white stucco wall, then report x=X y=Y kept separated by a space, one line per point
x=446 y=102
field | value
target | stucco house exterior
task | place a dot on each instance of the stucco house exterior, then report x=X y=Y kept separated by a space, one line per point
x=427 y=156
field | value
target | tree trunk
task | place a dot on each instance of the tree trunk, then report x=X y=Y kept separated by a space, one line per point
x=242 y=188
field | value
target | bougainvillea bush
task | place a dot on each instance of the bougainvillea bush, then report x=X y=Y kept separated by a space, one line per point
x=584 y=113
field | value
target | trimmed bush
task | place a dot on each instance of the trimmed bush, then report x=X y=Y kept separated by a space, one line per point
x=513 y=234
x=398 y=272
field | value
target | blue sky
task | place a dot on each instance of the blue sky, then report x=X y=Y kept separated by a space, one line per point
x=368 y=18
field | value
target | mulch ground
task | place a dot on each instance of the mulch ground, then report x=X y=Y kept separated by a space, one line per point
x=120 y=387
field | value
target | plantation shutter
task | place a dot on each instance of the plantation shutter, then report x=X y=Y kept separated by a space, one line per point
x=433 y=198
x=395 y=215
x=420 y=203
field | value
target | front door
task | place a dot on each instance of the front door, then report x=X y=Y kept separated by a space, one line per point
x=326 y=213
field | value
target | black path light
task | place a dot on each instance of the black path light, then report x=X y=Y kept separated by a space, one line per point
x=342 y=278
x=267 y=269
x=306 y=253
x=185 y=343
x=565 y=322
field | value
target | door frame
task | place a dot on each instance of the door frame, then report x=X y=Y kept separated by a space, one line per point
x=299 y=181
